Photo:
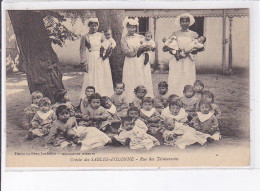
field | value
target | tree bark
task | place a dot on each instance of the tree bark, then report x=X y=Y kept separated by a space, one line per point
x=40 y=62
x=114 y=19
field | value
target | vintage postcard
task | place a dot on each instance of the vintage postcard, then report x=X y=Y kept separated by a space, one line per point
x=127 y=87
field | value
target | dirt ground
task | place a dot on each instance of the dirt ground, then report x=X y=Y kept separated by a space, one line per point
x=231 y=94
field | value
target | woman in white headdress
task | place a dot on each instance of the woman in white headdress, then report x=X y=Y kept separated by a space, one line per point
x=134 y=72
x=182 y=71
x=97 y=73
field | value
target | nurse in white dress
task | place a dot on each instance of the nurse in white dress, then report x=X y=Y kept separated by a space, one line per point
x=134 y=69
x=97 y=72
x=182 y=72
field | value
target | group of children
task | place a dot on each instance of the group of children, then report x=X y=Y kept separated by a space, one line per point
x=141 y=124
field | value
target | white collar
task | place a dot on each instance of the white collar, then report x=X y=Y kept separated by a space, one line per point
x=204 y=117
x=45 y=115
x=182 y=114
x=112 y=109
x=148 y=113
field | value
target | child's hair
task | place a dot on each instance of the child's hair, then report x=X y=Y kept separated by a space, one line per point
x=126 y=119
x=172 y=97
x=148 y=32
x=91 y=87
x=187 y=87
x=59 y=95
x=103 y=101
x=163 y=84
x=45 y=101
x=198 y=82
x=139 y=88
x=95 y=96
x=147 y=100
x=203 y=102
x=175 y=102
x=118 y=83
x=207 y=94
x=133 y=108
x=61 y=109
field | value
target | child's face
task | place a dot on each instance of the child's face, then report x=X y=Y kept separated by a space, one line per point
x=89 y=92
x=148 y=36
x=201 y=39
x=133 y=114
x=189 y=93
x=174 y=109
x=108 y=104
x=147 y=106
x=169 y=125
x=36 y=99
x=204 y=108
x=162 y=90
x=108 y=34
x=128 y=125
x=140 y=94
x=119 y=89
x=45 y=107
x=95 y=103
x=64 y=116
x=198 y=88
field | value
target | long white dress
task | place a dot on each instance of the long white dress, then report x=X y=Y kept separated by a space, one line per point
x=99 y=72
x=134 y=69
x=182 y=72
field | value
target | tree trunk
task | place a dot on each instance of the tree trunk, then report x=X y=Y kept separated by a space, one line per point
x=40 y=62
x=114 y=19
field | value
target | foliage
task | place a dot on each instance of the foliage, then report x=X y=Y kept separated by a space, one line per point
x=54 y=22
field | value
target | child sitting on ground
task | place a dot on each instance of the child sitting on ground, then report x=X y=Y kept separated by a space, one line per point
x=107 y=44
x=188 y=101
x=31 y=110
x=148 y=42
x=62 y=98
x=113 y=120
x=119 y=99
x=198 y=87
x=161 y=102
x=208 y=97
x=151 y=118
x=42 y=120
x=95 y=115
x=175 y=111
x=136 y=137
x=140 y=92
x=134 y=112
x=85 y=101
x=62 y=134
x=206 y=122
x=181 y=135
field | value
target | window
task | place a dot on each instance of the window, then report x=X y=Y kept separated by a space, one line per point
x=143 y=25
x=198 y=26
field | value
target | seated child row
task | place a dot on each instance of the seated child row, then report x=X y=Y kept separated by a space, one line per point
x=142 y=124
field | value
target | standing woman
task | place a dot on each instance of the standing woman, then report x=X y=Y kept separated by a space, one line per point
x=97 y=73
x=133 y=70
x=182 y=72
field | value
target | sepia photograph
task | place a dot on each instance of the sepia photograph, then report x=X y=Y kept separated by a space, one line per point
x=127 y=88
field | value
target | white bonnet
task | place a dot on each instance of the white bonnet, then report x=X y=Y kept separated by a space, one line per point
x=131 y=21
x=184 y=15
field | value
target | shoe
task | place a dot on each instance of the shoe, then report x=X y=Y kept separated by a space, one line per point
x=30 y=136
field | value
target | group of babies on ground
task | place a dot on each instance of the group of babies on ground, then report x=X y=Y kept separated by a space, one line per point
x=141 y=124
